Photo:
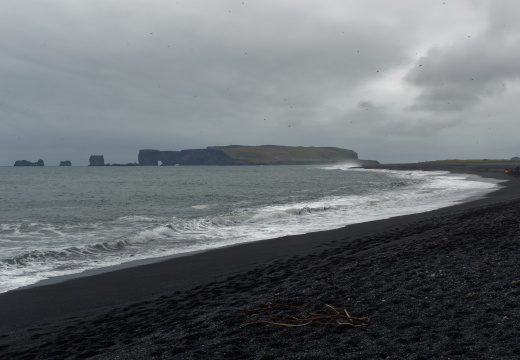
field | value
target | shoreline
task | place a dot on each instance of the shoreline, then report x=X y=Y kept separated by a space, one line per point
x=175 y=281
x=146 y=261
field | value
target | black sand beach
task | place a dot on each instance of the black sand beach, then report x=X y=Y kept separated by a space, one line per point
x=443 y=284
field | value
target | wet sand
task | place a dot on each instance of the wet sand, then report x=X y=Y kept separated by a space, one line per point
x=441 y=284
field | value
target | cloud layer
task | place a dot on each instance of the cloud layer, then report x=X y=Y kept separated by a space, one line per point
x=396 y=82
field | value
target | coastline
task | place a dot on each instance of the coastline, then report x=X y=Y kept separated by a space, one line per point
x=207 y=285
x=329 y=222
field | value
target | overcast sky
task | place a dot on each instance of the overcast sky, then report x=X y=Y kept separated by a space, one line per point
x=396 y=81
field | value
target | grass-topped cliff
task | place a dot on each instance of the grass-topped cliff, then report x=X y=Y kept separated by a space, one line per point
x=275 y=154
x=251 y=155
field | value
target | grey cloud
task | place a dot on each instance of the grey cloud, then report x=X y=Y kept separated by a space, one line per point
x=368 y=117
x=366 y=104
x=418 y=127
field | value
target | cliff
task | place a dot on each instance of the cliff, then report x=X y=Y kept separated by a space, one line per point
x=185 y=157
x=287 y=155
x=250 y=155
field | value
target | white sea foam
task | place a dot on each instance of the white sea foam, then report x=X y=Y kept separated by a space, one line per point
x=200 y=207
x=342 y=166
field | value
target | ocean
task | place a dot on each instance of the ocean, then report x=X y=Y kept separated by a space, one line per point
x=60 y=221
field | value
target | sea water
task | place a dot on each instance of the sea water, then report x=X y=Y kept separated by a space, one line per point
x=57 y=221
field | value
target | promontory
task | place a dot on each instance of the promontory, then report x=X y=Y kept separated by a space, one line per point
x=252 y=155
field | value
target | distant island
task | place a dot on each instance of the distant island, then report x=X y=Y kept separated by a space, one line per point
x=28 y=163
x=251 y=155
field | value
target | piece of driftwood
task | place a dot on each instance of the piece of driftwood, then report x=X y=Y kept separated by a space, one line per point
x=341 y=318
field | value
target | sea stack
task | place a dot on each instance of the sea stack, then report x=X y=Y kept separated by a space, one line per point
x=97 y=160
x=65 y=163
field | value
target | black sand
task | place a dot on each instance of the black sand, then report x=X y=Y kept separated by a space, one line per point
x=442 y=284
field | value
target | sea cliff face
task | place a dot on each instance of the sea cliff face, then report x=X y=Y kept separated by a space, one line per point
x=185 y=157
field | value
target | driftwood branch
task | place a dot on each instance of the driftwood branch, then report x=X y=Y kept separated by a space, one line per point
x=306 y=317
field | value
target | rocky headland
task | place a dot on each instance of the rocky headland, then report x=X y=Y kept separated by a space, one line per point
x=251 y=155
x=233 y=155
